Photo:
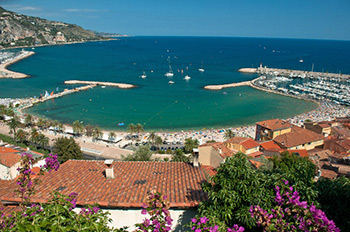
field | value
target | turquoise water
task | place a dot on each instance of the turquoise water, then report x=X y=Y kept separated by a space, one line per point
x=155 y=103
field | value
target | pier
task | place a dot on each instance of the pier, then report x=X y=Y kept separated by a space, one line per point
x=119 y=85
x=5 y=73
x=219 y=87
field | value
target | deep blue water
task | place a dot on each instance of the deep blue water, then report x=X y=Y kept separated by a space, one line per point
x=157 y=104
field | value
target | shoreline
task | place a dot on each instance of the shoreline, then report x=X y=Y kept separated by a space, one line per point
x=5 y=73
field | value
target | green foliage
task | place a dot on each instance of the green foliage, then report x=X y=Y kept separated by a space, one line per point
x=299 y=172
x=67 y=148
x=179 y=156
x=13 y=141
x=334 y=198
x=143 y=153
x=229 y=134
x=190 y=144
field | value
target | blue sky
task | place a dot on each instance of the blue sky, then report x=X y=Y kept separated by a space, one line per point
x=311 y=19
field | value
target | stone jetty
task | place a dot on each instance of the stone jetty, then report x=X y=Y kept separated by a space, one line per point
x=119 y=85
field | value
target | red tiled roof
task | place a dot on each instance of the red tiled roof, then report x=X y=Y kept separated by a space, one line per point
x=7 y=150
x=255 y=163
x=225 y=152
x=297 y=136
x=271 y=146
x=275 y=124
x=345 y=143
x=6 y=187
x=209 y=170
x=300 y=152
x=181 y=182
x=9 y=159
x=328 y=174
x=249 y=143
x=324 y=125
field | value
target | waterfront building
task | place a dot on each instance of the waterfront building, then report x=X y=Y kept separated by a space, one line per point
x=269 y=129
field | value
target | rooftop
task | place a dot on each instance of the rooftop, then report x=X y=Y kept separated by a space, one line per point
x=298 y=136
x=181 y=182
x=275 y=124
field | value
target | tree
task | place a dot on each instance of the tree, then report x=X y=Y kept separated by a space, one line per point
x=61 y=127
x=97 y=133
x=89 y=130
x=229 y=134
x=21 y=136
x=152 y=137
x=41 y=123
x=111 y=135
x=28 y=120
x=231 y=192
x=179 y=156
x=190 y=144
x=143 y=153
x=158 y=141
x=78 y=127
x=131 y=128
x=139 y=128
x=43 y=141
x=14 y=123
x=34 y=136
x=67 y=148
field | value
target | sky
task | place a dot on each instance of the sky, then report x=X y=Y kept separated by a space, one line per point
x=304 y=19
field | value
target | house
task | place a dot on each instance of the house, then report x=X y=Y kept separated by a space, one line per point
x=323 y=128
x=270 y=129
x=299 y=138
x=270 y=148
x=245 y=145
x=213 y=154
x=121 y=187
x=10 y=157
x=337 y=145
x=340 y=132
x=9 y=162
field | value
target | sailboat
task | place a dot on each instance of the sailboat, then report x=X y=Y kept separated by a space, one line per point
x=201 y=69
x=143 y=76
x=170 y=73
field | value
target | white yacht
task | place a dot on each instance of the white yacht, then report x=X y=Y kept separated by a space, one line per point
x=187 y=77
x=301 y=60
x=143 y=76
x=171 y=82
x=201 y=69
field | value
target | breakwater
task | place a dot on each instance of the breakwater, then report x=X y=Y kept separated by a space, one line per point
x=5 y=73
x=119 y=85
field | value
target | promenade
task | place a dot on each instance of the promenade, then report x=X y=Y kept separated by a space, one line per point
x=5 y=73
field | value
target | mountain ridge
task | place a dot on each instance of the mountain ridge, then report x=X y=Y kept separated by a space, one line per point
x=18 y=30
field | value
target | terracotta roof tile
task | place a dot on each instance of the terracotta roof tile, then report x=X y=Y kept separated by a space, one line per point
x=9 y=159
x=209 y=170
x=255 y=154
x=328 y=174
x=274 y=124
x=181 y=182
x=299 y=152
x=297 y=136
x=271 y=146
x=7 y=150
x=255 y=163
x=224 y=151
x=249 y=143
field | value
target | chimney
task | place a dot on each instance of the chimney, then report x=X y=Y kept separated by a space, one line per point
x=195 y=157
x=109 y=169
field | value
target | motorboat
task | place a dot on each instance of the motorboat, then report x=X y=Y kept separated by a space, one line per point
x=187 y=77
x=171 y=82
x=143 y=76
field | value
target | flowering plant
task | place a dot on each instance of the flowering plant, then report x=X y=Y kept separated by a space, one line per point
x=202 y=224
x=291 y=214
x=157 y=207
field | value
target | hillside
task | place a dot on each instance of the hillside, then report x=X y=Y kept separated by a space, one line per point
x=22 y=30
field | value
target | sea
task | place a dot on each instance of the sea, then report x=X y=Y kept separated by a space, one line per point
x=155 y=103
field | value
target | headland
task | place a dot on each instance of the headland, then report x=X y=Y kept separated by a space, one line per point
x=5 y=73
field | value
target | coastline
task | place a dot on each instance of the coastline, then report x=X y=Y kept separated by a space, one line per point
x=5 y=73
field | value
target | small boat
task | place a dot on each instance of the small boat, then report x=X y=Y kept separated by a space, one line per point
x=103 y=86
x=121 y=124
x=201 y=69
x=170 y=73
x=224 y=93
x=171 y=82
x=187 y=77
x=301 y=60
x=143 y=76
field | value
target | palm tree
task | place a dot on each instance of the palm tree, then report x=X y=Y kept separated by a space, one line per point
x=158 y=141
x=61 y=127
x=13 y=124
x=41 y=123
x=152 y=137
x=190 y=144
x=112 y=135
x=97 y=133
x=21 y=135
x=229 y=134
x=34 y=135
x=139 y=128
x=78 y=127
x=89 y=130
x=131 y=128
x=28 y=120
x=43 y=141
